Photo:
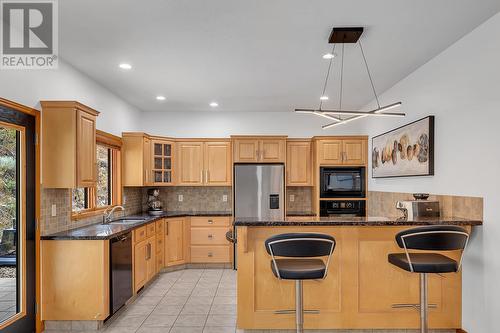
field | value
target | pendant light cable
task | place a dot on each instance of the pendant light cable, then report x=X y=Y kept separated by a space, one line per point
x=341 y=78
x=369 y=75
x=327 y=76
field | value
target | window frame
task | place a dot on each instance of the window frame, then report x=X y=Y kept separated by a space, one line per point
x=114 y=143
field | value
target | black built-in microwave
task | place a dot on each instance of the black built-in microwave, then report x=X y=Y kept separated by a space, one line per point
x=342 y=182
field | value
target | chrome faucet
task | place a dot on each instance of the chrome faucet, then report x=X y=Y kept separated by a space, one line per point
x=108 y=217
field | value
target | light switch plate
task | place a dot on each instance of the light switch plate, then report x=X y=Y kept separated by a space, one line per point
x=53 y=210
x=224 y=198
x=292 y=197
x=181 y=198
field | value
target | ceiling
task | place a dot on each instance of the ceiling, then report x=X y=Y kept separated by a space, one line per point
x=255 y=55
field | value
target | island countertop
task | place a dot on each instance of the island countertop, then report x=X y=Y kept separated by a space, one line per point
x=358 y=221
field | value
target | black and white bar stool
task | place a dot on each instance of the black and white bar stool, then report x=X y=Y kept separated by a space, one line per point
x=305 y=249
x=431 y=238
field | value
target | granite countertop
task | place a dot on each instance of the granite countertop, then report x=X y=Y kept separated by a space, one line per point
x=359 y=221
x=108 y=231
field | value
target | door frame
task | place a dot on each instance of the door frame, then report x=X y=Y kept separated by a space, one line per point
x=35 y=113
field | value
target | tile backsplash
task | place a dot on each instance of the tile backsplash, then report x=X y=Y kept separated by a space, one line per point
x=62 y=199
x=194 y=198
x=302 y=199
x=384 y=204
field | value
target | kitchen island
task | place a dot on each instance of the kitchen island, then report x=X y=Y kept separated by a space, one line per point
x=362 y=290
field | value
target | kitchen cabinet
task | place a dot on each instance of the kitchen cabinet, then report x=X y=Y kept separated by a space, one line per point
x=259 y=149
x=298 y=165
x=176 y=241
x=342 y=151
x=160 y=245
x=75 y=279
x=162 y=162
x=208 y=239
x=204 y=163
x=144 y=255
x=136 y=160
x=69 y=145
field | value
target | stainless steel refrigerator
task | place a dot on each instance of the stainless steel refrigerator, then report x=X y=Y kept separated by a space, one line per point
x=259 y=194
x=259 y=191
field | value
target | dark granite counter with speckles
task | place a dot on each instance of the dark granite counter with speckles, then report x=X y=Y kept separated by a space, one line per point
x=108 y=231
x=359 y=221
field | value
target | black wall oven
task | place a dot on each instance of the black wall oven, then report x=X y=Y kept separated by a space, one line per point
x=342 y=182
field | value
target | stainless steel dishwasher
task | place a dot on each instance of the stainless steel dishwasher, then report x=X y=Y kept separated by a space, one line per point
x=121 y=271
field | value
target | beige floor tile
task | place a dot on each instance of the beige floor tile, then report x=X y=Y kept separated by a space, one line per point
x=190 y=309
x=221 y=320
x=187 y=329
x=162 y=320
x=224 y=300
x=200 y=300
x=191 y=320
x=168 y=309
x=227 y=309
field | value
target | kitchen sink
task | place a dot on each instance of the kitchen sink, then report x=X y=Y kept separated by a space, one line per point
x=127 y=221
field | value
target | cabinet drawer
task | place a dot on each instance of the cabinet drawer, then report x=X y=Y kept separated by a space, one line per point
x=208 y=236
x=140 y=234
x=210 y=254
x=160 y=226
x=159 y=244
x=151 y=229
x=207 y=221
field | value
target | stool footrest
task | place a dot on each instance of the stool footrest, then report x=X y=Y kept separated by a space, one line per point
x=293 y=311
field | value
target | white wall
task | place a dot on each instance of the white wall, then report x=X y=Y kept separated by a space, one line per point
x=28 y=87
x=461 y=87
x=224 y=124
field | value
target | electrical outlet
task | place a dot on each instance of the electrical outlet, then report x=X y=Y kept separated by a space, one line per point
x=54 y=210
x=180 y=198
x=224 y=198
x=292 y=197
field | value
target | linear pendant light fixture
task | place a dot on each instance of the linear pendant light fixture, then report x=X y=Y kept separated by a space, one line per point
x=348 y=36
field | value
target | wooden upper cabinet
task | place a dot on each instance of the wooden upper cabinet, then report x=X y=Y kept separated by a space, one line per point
x=272 y=151
x=259 y=150
x=204 y=163
x=68 y=145
x=330 y=152
x=246 y=150
x=342 y=151
x=162 y=152
x=298 y=165
x=136 y=160
x=355 y=151
x=190 y=163
x=218 y=163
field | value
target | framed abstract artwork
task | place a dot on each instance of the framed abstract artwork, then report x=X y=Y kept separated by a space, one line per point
x=405 y=151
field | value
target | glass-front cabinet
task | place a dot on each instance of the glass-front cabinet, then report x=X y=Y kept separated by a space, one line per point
x=162 y=162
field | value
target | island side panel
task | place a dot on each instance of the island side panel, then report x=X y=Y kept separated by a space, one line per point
x=358 y=293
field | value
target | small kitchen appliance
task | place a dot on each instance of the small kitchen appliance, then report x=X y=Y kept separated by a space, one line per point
x=154 y=203
x=342 y=182
x=419 y=208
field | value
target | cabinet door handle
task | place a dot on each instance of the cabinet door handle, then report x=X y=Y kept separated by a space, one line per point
x=201 y=175
x=210 y=254
x=206 y=176
x=210 y=236
x=210 y=221
x=166 y=229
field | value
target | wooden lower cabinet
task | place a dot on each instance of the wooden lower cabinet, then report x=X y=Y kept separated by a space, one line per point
x=75 y=279
x=160 y=245
x=145 y=264
x=176 y=241
x=358 y=293
x=208 y=239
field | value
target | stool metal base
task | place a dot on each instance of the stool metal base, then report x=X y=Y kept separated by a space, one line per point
x=299 y=306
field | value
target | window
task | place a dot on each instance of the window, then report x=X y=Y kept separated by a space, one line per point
x=107 y=192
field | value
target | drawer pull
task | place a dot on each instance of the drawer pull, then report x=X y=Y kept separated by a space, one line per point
x=210 y=221
x=210 y=236
x=210 y=254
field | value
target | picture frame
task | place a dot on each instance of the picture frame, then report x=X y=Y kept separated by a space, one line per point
x=406 y=151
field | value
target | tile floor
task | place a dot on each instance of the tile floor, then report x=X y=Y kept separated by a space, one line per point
x=193 y=300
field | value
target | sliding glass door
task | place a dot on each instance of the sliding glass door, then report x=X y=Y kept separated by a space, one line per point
x=17 y=221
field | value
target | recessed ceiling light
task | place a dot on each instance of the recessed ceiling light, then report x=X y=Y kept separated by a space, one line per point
x=124 y=65
x=324 y=98
x=160 y=98
x=328 y=56
x=214 y=104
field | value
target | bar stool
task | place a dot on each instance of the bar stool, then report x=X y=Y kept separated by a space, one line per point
x=304 y=248
x=431 y=238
